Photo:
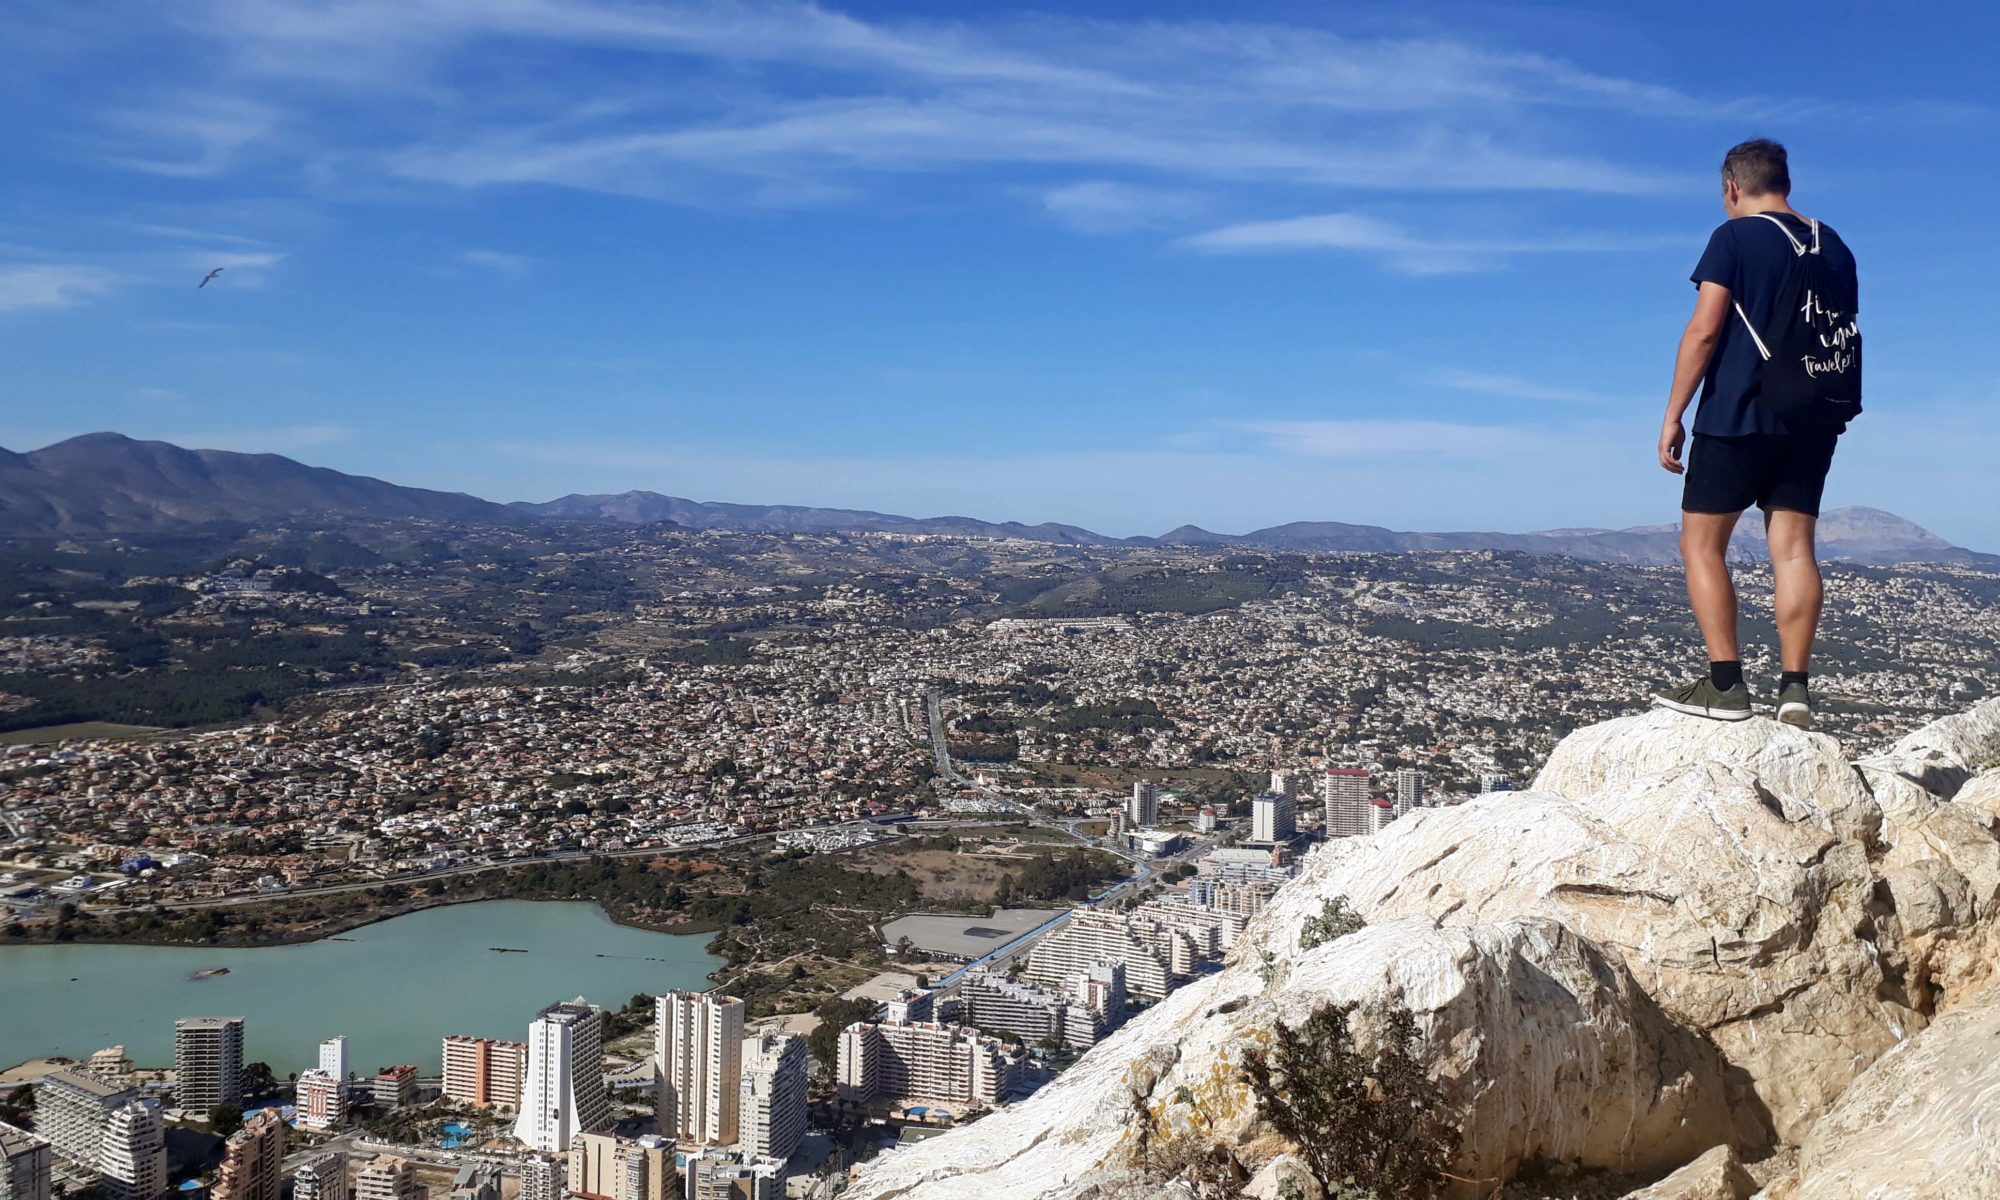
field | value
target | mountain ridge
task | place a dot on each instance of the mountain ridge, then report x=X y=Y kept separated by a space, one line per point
x=106 y=483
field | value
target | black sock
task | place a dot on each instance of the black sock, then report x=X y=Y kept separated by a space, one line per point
x=1788 y=678
x=1726 y=675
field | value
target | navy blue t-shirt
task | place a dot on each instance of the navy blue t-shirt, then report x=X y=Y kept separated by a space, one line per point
x=1750 y=257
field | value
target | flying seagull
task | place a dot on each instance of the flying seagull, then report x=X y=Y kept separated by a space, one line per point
x=207 y=277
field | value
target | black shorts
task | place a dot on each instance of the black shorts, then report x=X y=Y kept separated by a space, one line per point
x=1729 y=474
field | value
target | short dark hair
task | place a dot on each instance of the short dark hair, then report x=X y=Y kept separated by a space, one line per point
x=1759 y=167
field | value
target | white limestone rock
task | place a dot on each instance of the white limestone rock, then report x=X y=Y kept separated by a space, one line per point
x=1717 y=1175
x=1919 y=1124
x=1546 y=1049
x=1805 y=773
x=1752 y=928
x=1577 y=957
x=1968 y=742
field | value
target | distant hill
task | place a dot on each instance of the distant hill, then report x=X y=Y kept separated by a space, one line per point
x=109 y=483
x=1865 y=535
x=649 y=507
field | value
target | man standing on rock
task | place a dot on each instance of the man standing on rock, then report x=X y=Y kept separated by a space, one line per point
x=1774 y=347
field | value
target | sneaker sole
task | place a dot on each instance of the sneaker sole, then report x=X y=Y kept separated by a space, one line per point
x=1695 y=710
x=1797 y=715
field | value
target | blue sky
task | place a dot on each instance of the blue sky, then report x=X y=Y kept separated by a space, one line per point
x=1118 y=264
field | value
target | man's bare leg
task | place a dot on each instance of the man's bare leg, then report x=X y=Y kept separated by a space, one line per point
x=1799 y=597
x=1705 y=554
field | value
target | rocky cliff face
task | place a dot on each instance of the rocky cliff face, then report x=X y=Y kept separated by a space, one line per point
x=1688 y=942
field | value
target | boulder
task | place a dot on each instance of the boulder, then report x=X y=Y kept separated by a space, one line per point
x=1940 y=867
x=1689 y=937
x=1918 y=1124
x=1806 y=773
x=1955 y=747
x=1979 y=799
x=1717 y=1175
x=1753 y=928
x=1546 y=1051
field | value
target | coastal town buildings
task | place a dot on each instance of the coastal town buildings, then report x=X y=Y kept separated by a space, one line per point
x=1273 y=818
x=72 y=1109
x=605 y=1167
x=322 y=1177
x=1344 y=793
x=698 y=1053
x=772 y=1108
x=333 y=1058
x=1043 y=1016
x=387 y=1177
x=718 y=1174
x=563 y=1094
x=542 y=1177
x=1143 y=812
x=132 y=1162
x=208 y=1062
x=484 y=1072
x=900 y=1061
x=320 y=1100
x=253 y=1158
x=26 y=1164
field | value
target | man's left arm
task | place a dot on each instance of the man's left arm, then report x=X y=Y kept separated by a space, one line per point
x=1704 y=330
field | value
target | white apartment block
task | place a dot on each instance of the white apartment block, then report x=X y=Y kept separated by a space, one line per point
x=208 y=1062
x=72 y=1109
x=322 y=1177
x=698 y=1060
x=773 y=1096
x=1409 y=790
x=909 y=1060
x=1273 y=818
x=563 y=1094
x=27 y=1165
x=916 y=1004
x=132 y=1163
x=1090 y=1006
x=1344 y=791
x=484 y=1072
x=333 y=1058
x=1144 y=809
x=1092 y=936
x=320 y=1100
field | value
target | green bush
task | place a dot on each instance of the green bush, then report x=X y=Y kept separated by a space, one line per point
x=1371 y=1120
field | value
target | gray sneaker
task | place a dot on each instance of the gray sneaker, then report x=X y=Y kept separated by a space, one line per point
x=1701 y=698
x=1795 y=706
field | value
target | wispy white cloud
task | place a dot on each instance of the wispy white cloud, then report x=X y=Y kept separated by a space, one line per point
x=27 y=286
x=1109 y=206
x=1380 y=439
x=498 y=261
x=1400 y=249
x=196 y=136
x=1185 y=102
x=1515 y=388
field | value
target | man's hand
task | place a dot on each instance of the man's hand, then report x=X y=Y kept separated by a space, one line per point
x=1672 y=438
